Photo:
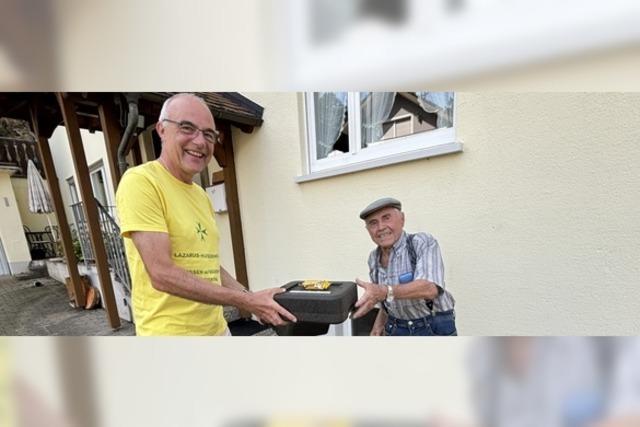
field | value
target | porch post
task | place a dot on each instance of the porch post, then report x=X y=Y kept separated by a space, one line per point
x=90 y=209
x=112 y=135
x=61 y=215
x=233 y=205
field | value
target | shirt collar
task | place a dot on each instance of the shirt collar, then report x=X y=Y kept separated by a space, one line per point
x=401 y=241
x=396 y=246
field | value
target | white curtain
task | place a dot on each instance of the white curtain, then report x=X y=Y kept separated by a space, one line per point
x=329 y=111
x=376 y=108
x=38 y=194
x=37 y=191
x=440 y=103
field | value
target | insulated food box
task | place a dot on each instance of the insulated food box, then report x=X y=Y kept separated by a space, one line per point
x=330 y=305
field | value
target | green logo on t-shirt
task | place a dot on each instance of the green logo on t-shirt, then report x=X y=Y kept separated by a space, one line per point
x=201 y=231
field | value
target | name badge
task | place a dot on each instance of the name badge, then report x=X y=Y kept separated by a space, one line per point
x=405 y=278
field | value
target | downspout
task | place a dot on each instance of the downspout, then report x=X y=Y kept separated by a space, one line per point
x=132 y=123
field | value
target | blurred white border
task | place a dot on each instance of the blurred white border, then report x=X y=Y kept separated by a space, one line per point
x=435 y=44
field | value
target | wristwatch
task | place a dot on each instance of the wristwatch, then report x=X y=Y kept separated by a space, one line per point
x=389 y=294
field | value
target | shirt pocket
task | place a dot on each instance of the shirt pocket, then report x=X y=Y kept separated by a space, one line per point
x=405 y=277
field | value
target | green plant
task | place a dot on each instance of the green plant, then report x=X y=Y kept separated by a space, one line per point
x=59 y=251
x=77 y=250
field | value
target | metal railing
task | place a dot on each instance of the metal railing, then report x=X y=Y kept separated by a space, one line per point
x=82 y=232
x=113 y=242
x=41 y=244
x=17 y=152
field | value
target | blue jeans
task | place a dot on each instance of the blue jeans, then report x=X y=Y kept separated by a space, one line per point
x=442 y=324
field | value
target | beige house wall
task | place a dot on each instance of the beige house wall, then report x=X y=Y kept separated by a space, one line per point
x=35 y=222
x=537 y=218
x=95 y=150
x=14 y=241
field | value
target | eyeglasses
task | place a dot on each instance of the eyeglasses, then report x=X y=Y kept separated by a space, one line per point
x=189 y=129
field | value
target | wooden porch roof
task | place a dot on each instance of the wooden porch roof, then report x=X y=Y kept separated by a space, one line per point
x=229 y=106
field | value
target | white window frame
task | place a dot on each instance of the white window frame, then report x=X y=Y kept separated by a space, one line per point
x=391 y=151
x=73 y=190
x=95 y=168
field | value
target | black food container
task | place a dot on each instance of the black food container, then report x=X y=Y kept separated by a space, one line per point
x=317 y=309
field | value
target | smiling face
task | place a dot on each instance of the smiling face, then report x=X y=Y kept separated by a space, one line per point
x=182 y=154
x=385 y=226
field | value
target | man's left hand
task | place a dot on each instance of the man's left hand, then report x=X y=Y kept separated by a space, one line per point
x=267 y=310
x=373 y=294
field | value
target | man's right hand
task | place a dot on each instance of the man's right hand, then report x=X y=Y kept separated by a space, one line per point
x=377 y=331
x=378 y=325
x=266 y=309
x=373 y=294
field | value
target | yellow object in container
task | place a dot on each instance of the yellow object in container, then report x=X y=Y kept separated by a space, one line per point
x=315 y=285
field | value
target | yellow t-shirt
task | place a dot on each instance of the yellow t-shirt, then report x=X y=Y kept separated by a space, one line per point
x=149 y=198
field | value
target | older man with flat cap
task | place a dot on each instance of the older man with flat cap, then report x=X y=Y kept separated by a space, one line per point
x=407 y=277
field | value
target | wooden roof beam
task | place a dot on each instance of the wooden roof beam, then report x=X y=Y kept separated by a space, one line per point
x=56 y=196
x=90 y=208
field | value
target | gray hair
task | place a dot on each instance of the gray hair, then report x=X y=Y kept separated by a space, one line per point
x=165 y=106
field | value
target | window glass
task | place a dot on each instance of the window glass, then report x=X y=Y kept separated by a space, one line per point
x=349 y=131
x=99 y=191
x=331 y=129
x=389 y=115
x=73 y=192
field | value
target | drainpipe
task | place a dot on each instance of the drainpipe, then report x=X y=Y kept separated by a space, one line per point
x=132 y=123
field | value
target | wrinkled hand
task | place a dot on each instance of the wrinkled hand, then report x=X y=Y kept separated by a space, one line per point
x=264 y=307
x=377 y=330
x=373 y=294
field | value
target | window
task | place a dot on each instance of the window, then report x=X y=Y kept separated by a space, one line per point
x=73 y=192
x=349 y=131
x=98 y=183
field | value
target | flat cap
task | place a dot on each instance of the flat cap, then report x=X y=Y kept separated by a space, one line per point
x=385 y=202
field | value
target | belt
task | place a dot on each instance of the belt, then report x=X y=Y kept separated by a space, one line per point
x=416 y=323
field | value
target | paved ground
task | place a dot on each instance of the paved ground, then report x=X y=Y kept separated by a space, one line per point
x=26 y=309
x=29 y=310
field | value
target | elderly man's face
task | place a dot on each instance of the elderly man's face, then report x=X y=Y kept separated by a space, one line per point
x=385 y=226
x=186 y=155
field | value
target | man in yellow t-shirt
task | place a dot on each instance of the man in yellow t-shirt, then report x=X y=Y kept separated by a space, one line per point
x=171 y=238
